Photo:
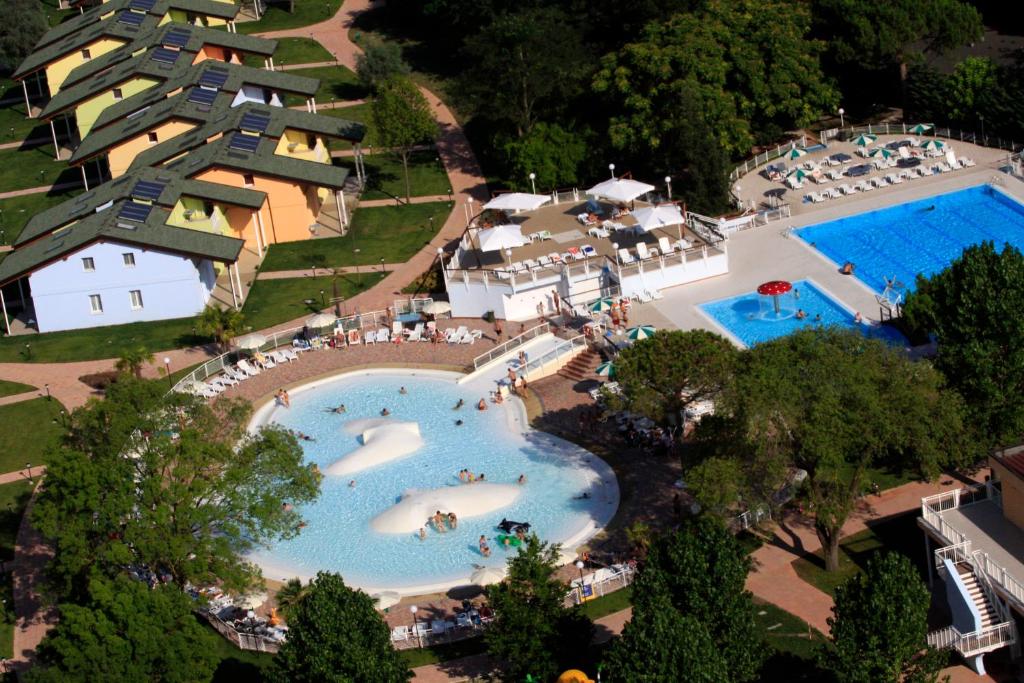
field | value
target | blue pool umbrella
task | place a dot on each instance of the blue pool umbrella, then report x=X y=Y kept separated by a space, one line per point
x=606 y=369
x=864 y=139
x=640 y=332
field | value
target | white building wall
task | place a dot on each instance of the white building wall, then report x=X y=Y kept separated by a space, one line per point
x=172 y=286
x=674 y=273
x=250 y=93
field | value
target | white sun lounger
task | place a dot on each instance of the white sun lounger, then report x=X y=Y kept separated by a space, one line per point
x=383 y=335
x=847 y=189
x=234 y=374
x=416 y=333
x=248 y=369
x=370 y=337
x=625 y=256
x=455 y=336
x=942 y=167
x=967 y=162
x=925 y=171
x=641 y=251
x=588 y=251
x=879 y=181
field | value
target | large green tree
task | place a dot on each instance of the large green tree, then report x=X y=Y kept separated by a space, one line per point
x=700 y=571
x=336 y=636
x=403 y=120
x=523 y=65
x=170 y=483
x=132 y=360
x=534 y=632
x=744 y=61
x=127 y=632
x=868 y=36
x=23 y=25
x=973 y=306
x=550 y=152
x=659 y=643
x=662 y=375
x=378 y=62
x=834 y=404
x=880 y=625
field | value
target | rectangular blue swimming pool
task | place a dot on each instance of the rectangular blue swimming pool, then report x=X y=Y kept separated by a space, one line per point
x=922 y=236
x=752 y=319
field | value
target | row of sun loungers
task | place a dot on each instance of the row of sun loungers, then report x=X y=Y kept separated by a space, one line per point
x=241 y=371
x=867 y=185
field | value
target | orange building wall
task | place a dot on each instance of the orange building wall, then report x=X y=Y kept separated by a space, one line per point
x=244 y=227
x=121 y=156
x=1013 y=493
x=217 y=53
x=290 y=209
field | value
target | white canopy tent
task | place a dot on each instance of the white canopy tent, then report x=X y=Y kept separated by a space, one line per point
x=501 y=237
x=517 y=201
x=620 y=189
x=654 y=217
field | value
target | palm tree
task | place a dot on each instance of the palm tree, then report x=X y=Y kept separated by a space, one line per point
x=221 y=324
x=131 y=361
x=290 y=594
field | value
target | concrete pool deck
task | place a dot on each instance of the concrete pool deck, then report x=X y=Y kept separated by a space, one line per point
x=770 y=252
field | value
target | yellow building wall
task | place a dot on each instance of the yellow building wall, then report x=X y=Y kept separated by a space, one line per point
x=232 y=221
x=1013 y=493
x=181 y=17
x=57 y=71
x=295 y=144
x=121 y=156
x=290 y=208
x=90 y=110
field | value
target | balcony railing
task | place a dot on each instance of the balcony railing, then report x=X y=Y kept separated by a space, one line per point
x=568 y=347
x=513 y=343
x=975 y=643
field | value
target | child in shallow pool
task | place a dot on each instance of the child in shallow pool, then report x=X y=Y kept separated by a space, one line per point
x=484 y=549
x=423 y=534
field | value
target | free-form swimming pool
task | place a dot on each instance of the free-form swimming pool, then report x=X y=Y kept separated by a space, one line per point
x=922 y=236
x=751 y=318
x=338 y=536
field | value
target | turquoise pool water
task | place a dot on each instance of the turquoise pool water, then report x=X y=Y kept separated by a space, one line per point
x=752 y=319
x=494 y=442
x=923 y=236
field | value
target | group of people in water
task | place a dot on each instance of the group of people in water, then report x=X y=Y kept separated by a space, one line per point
x=442 y=522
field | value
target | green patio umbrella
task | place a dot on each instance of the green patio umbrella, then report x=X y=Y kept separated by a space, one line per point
x=933 y=144
x=921 y=128
x=640 y=332
x=601 y=305
x=799 y=173
x=880 y=152
x=795 y=153
x=606 y=369
x=864 y=139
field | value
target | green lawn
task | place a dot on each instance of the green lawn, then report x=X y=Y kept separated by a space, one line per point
x=24 y=168
x=898 y=534
x=235 y=664
x=359 y=113
x=14 y=125
x=443 y=653
x=7 y=621
x=16 y=211
x=277 y=17
x=294 y=51
x=337 y=83
x=100 y=342
x=393 y=233
x=387 y=178
x=12 y=388
x=13 y=499
x=608 y=604
x=276 y=301
x=39 y=430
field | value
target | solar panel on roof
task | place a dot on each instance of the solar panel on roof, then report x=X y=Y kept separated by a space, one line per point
x=177 y=37
x=144 y=5
x=165 y=56
x=243 y=142
x=147 y=190
x=130 y=18
x=133 y=211
x=201 y=96
x=255 y=121
x=213 y=78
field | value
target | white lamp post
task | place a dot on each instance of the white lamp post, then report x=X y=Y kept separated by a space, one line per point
x=579 y=565
x=415 y=624
x=668 y=182
x=611 y=167
x=167 y=368
x=533 y=185
x=615 y=248
x=842 y=121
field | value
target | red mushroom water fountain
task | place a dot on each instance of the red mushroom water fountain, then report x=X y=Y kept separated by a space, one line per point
x=774 y=289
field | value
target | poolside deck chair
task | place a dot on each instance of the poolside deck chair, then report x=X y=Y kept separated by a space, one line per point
x=893 y=179
x=218 y=384
x=625 y=256
x=664 y=246
x=530 y=264
x=277 y=357
x=544 y=261
x=383 y=335
x=205 y=390
x=541 y=235
x=846 y=189
x=588 y=251
x=641 y=251
x=942 y=167
x=396 y=329
x=454 y=336
x=288 y=354
x=951 y=160
x=354 y=337
x=925 y=171
x=234 y=374
x=247 y=368
x=814 y=197
x=683 y=244
x=904 y=152
x=416 y=333
x=643 y=296
x=600 y=233
x=575 y=253
x=656 y=294
x=834 y=175
x=864 y=186
x=967 y=162
x=467 y=338
x=879 y=181
x=400 y=634
x=555 y=257
x=517 y=267
x=370 y=337
x=832 y=192
x=906 y=175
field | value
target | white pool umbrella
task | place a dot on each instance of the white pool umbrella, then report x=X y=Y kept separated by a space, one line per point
x=640 y=332
x=501 y=237
x=253 y=340
x=620 y=189
x=795 y=153
x=653 y=217
x=386 y=599
x=606 y=369
x=251 y=600
x=865 y=139
x=933 y=144
x=437 y=307
x=321 y=320
x=518 y=201
x=485 y=576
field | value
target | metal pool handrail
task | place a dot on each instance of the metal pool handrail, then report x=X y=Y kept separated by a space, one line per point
x=514 y=342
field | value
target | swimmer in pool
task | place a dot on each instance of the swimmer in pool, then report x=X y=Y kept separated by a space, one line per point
x=385 y=412
x=582 y=496
x=522 y=479
x=459 y=404
x=423 y=534
x=458 y=423
x=800 y=314
x=337 y=411
x=352 y=484
x=858 y=318
x=482 y=405
x=439 y=521
x=484 y=550
x=403 y=391
x=453 y=521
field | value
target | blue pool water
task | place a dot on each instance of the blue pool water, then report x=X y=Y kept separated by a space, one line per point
x=751 y=318
x=338 y=537
x=913 y=238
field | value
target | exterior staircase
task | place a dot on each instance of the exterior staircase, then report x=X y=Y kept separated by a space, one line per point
x=582 y=367
x=989 y=616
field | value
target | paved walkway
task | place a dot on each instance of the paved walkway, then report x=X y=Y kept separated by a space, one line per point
x=398 y=201
x=18 y=398
x=39 y=190
x=34 y=142
x=35 y=472
x=292 y=274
